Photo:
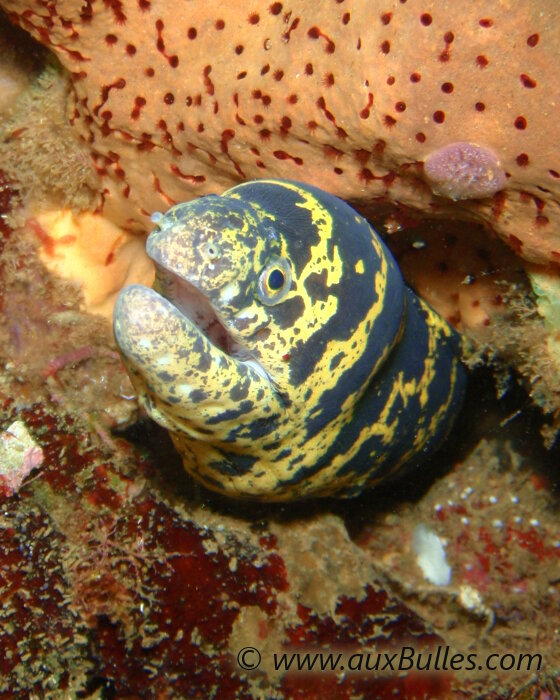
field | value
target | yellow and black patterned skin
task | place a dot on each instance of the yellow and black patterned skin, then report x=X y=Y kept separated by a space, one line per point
x=304 y=366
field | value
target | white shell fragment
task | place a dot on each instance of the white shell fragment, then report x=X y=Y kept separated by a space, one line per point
x=19 y=455
x=430 y=556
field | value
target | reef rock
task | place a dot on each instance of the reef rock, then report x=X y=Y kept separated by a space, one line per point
x=351 y=96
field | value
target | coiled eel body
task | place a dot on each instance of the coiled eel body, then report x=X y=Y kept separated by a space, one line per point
x=281 y=348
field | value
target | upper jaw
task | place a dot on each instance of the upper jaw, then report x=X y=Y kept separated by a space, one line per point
x=167 y=247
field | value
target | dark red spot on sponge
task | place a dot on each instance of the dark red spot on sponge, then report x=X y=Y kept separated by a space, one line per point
x=447 y=88
x=332 y=152
x=365 y=175
x=515 y=243
x=282 y=155
x=139 y=102
x=527 y=81
x=482 y=61
x=520 y=123
x=522 y=160
x=532 y=40
x=385 y=47
x=286 y=123
x=439 y=116
x=426 y=19
x=486 y=23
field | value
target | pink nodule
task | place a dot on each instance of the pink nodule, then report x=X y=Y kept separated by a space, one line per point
x=464 y=170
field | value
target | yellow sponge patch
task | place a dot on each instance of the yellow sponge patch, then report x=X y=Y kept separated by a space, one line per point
x=92 y=251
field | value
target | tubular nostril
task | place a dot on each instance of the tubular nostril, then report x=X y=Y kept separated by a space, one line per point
x=211 y=251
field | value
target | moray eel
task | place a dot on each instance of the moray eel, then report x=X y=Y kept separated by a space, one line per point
x=281 y=348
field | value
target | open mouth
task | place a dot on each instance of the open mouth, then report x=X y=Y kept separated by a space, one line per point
x=195 y=306
x=192 y=303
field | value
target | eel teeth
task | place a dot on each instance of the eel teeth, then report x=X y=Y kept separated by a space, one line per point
x=195 y=306
x=192 y=303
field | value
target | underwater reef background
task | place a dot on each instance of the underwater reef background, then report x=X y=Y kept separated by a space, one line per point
x=119 y=576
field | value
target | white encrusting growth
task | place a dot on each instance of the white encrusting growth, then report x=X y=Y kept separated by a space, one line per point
x=430 y=556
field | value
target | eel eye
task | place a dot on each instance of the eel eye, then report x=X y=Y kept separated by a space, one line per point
x=211 y=251
x=275 y=281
